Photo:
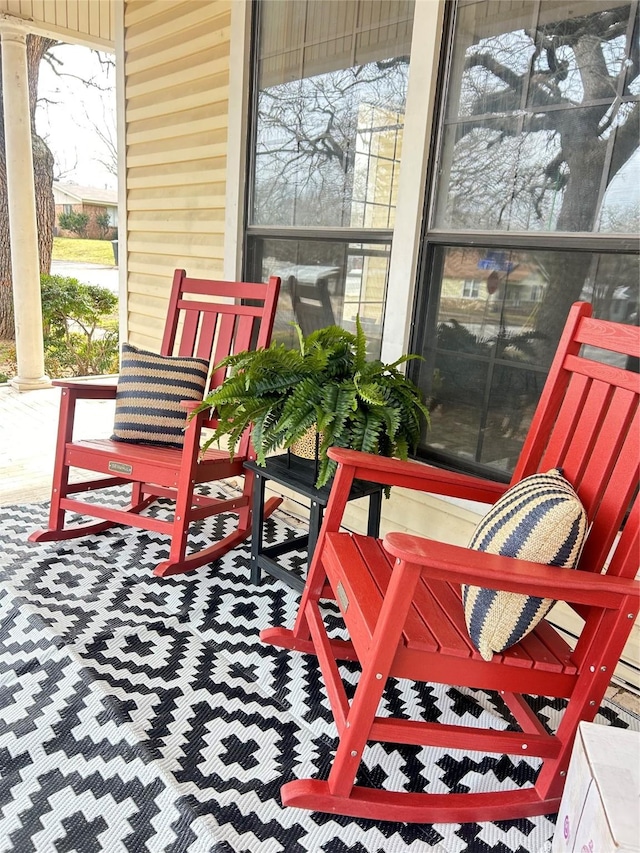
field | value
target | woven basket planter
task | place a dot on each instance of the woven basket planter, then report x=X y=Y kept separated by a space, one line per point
x=308 y=445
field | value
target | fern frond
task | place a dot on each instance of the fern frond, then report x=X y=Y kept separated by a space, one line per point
x=361 y=346
x=299 y=335
x=374 y=424
x=370 y=392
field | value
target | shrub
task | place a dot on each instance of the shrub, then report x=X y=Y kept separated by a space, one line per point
x=80 y=327
x=103 y=223
x=76 y=222
x=8 y=365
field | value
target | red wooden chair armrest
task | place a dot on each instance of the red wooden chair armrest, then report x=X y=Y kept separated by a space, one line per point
x=87 y=390
x=417 y=476
x=443 y=561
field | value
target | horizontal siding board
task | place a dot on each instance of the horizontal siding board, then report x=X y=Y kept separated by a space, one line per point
x=143 y=322
x=206 y=246
x=187 y=225
x=188 y=221
x=163 y=259
x=195 y=41
x=213 y=128
x=145 y=342
x=164 y=265
x=180 y=177
x=198 y=122
x=159 y=154
x=148 y=306
x=149 y=287
x=177 y=99
x=175 y=204
x=166 y=76
x=167 y=197
x=173 y=19
x=138 y=11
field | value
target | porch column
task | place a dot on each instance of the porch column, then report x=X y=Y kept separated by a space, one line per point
x=25 y=267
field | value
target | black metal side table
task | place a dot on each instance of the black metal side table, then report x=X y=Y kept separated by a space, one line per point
x=298 y=475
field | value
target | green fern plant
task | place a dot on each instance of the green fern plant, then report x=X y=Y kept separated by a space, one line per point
x=327 y=383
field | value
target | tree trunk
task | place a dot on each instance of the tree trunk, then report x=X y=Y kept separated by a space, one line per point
x=43 y=177
x=568 y=271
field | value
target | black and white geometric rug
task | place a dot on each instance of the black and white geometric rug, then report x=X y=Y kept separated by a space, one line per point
x=143 y=714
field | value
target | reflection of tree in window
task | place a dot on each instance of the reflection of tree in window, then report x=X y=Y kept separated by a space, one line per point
x=543 y=133
x=306 y=142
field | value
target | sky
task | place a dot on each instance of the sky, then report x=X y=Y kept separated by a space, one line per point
x=69 y=111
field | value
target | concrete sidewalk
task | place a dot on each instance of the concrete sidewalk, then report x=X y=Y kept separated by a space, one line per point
x=102 y=275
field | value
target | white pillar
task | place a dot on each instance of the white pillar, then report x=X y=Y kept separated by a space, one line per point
x=25 y=266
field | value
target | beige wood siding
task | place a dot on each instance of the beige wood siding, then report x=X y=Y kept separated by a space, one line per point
x=87 y=22
x=176 y=112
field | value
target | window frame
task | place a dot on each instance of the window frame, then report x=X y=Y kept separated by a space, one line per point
x=251 y=233
x=432 y=239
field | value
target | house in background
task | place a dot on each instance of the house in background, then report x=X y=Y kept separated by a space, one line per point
x=73 y=198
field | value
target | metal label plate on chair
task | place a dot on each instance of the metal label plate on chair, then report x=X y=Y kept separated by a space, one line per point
x=120 y=467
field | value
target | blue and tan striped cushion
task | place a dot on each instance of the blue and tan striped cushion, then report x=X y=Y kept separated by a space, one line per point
x=539 y=519
x=150 y=387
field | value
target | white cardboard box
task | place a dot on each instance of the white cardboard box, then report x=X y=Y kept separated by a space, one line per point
x=600 y=808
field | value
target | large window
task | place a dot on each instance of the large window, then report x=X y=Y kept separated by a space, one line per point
x=330 y=93
x=534 y=204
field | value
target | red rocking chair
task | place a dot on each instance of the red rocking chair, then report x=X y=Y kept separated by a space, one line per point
x=401 y=604
x=208 y=320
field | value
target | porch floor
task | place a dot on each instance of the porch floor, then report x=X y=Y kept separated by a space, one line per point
x=28 y=424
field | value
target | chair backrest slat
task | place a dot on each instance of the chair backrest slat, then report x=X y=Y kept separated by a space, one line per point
x=615 y=337
x=244 y=333
x=224 y=290
x=612 y=439
x=560 y=435
x=223 y=347
x=221 y=308
x=587 y=423
x=234 y=316
x=624 y=562
x=189 y=333
x=585 y=433
x=207 y=334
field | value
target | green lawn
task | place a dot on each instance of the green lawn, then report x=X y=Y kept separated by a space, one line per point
x=77 y=249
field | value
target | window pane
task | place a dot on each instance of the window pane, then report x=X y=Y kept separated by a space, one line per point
x=487 y=359
x=324 y=283
x=332 y=81
x=542 y=119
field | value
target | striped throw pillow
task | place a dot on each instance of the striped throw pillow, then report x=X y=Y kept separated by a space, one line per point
x=150 y=388
x=539 y=519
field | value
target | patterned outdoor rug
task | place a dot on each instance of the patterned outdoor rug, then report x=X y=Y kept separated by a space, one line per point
x=143 y=714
